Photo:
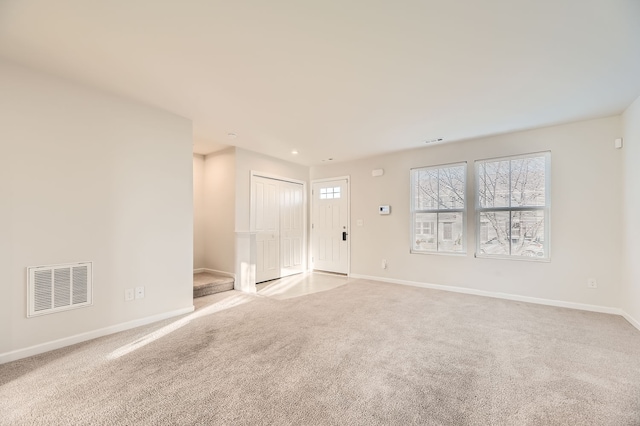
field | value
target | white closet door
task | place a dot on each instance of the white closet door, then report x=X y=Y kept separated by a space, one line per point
x=266 y=224
x=291 y=230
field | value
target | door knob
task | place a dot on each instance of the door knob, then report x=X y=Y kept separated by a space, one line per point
x=344 y=236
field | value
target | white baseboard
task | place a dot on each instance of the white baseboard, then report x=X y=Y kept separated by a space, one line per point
x=507 y=296
x=634 y=322
x=214 y=271
x=82 y=337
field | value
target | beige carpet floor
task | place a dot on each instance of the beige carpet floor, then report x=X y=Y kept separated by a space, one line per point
x=363 y=353
x=206 y=283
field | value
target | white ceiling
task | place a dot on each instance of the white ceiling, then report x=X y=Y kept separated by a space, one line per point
x=341 y=79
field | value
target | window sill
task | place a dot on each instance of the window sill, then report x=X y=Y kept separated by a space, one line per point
x=517 y=258
x=440 y=253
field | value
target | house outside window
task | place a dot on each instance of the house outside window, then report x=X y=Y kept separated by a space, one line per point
x=438 y=209
x=513 y=207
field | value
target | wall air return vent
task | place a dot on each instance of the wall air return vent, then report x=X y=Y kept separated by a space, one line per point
x=56 y=288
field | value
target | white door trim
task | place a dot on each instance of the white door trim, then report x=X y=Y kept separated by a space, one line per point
x=305 y=201
x=276 y=177
x=348 y=179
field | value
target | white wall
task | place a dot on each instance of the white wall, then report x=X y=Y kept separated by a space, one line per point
x=631 y=211
x=86 y=176
x=246 y=161
x=586 y=234
x=219 y=210
x=198 y=212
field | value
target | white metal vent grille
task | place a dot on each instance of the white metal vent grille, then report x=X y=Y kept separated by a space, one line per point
x=56 y=288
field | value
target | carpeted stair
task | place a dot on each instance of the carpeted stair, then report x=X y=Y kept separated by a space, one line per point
x=205 y=283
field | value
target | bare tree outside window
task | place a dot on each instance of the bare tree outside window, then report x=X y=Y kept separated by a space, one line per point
x=513 y=206
x=438 y=208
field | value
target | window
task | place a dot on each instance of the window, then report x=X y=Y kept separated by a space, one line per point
x=447 y=231
x=437 y=209
x=484 y=231
x=329 y=193
x=424 y=228
x=513 y=206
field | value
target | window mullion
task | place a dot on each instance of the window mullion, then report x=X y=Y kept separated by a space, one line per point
x=437 y=230
x=438 y=213
x=512 y=209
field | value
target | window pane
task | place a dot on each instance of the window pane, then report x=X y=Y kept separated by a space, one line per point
x=426 y=188
x=528 y=181
x=527 y=233
x=451 y=184
x=496 y=240
x=493 y=183
x=424 y=225
x=450 y=232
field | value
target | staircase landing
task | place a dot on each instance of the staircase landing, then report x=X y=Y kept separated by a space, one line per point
x=205 y=283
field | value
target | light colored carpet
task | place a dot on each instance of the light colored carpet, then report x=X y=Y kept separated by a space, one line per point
x=363 y=353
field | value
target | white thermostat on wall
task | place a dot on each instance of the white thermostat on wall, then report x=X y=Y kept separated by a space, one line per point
x=384 y=209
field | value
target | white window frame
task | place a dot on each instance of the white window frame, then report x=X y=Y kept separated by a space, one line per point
x=509 y=209
x=413 y=211
x=330 y=193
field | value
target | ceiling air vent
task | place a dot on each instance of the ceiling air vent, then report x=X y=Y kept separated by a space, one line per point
x=433 y=140
x=56 y=288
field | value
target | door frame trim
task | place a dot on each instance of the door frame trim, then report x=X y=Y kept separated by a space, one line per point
x=329 y=179
x=252 y=225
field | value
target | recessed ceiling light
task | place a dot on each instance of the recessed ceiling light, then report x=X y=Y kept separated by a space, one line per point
x=433 y=140
x=232 y=135
x=294 y=152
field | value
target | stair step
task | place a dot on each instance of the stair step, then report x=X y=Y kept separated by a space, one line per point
x=205 y=283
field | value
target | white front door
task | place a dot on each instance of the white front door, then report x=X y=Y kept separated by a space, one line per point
x=266 y=224
x=291 y=228
x=330 y=221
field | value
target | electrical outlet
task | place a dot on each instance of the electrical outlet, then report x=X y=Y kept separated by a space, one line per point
x=128 y=295
x=592 y=283
x=384 y=263
x=140 y=292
